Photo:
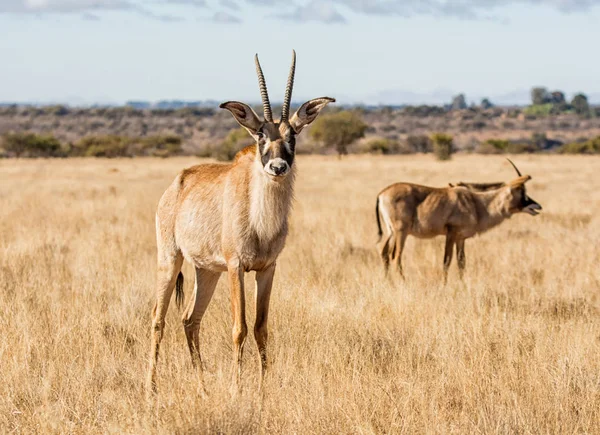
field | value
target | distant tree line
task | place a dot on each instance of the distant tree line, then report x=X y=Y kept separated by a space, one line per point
x=339 y=130
x=543 y=103
x=35 y=145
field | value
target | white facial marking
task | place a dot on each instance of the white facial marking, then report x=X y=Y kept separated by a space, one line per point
x=266 y=147
x=278 y=162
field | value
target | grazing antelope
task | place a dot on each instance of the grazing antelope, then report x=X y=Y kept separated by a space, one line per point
x=230 y=218
x=458 y=212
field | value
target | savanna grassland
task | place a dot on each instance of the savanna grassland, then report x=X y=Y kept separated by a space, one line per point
x=515 y=348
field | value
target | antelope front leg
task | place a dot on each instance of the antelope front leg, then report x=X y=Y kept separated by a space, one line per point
x=400 y=240
x=450 y=240
x=264 y=283
x=238 y=311
x=384 y=253
x=461 y=258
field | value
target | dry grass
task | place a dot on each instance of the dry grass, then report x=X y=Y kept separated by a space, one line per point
x=513 y=349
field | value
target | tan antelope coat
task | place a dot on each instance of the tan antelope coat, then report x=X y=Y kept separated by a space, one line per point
x=230 y=218
x=456 y=212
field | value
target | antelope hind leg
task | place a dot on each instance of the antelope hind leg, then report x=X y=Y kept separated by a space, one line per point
x=168 y=268
x=206 y=282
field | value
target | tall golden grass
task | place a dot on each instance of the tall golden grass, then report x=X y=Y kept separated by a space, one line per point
x=515 y=348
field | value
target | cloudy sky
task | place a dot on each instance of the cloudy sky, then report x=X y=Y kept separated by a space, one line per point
x=372 y=51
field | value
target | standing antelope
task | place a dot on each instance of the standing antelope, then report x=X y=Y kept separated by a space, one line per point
x=230 y=218
x=458 y=212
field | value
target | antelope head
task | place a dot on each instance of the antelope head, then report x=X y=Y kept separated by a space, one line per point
x=518 y=200
x=276 y=141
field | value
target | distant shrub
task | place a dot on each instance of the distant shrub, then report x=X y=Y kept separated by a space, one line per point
x=102 y=146
x=487 y=148
x=424 y=111
x=161 y=145
x=442 y=145
x=591 y=146
x=31 y=145
x=162 y=112
x=539 y=110
x=338 y=130
x=520 y=147
x=121 y=112
x=540 y=141
x=476 y=124
x=124 y=146
x=386 y=128
x=539 y=96
x=580 y=105
x=234 y=142
x=386 y=146
x=57 y=110
x=459 y=102
x=419 y=143
x=499 y=146
x=486 y=104
x=195 y=111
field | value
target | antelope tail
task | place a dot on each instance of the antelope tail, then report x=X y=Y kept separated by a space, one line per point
x=179 y=290
x=379 y=232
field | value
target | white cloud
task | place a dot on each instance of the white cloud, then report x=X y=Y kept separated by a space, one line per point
x=470 y=9
x=195 y=3
x=231 y=4
x=63 y=6
x=325 y=11
x=225 y=18
x=87 y=6
x=316 y=10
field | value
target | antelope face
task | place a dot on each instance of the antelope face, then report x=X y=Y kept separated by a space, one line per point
x=529 y=205
x=276 y=142
x=520 y=201
x=276 y=149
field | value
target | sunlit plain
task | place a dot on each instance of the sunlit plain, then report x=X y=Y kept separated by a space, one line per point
x=514 y=348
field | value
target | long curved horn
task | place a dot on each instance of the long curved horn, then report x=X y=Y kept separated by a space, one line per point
x=285 y=110
x=514 y=166
x=263 y=91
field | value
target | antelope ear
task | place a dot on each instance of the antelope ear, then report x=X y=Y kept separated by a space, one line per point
x=308 y=112
x=520 y=181
x=244 y=115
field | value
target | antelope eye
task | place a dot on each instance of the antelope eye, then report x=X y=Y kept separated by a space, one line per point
x=260 y=135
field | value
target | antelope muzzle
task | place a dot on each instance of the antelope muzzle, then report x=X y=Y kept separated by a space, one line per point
x=530 y=206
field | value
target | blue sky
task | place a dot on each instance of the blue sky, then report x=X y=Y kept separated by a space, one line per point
x=372 y=51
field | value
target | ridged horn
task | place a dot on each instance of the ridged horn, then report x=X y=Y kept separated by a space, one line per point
x=263 y=91
x=285 y=110
x=514 y=166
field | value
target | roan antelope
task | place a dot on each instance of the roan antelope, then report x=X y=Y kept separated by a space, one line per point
x=230 y=218
x=458 y=212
